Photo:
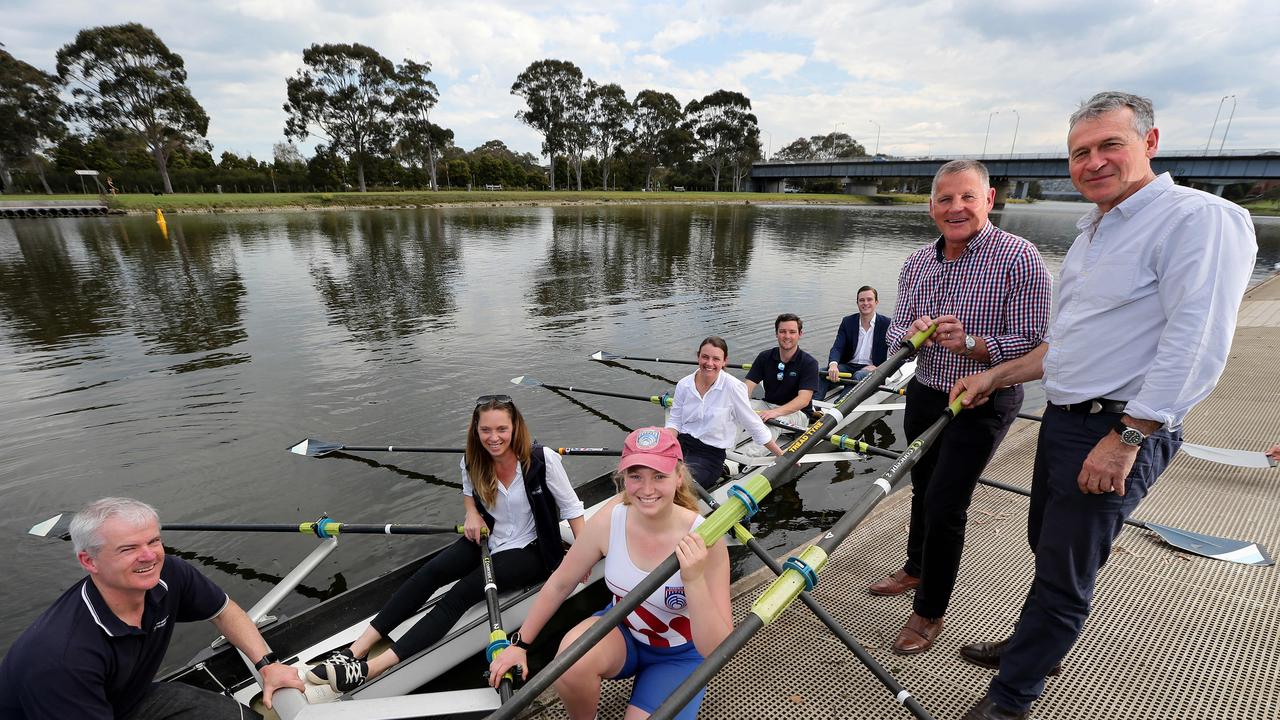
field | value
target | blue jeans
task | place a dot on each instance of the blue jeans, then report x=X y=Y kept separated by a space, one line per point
x=1071 y=533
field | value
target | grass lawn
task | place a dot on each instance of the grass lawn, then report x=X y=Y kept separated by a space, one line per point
x=215 y=202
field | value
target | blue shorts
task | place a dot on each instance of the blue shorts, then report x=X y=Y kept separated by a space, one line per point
x=658 y=672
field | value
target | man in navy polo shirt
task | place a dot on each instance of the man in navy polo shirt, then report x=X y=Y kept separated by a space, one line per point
x=95 y=652
x=789 y=374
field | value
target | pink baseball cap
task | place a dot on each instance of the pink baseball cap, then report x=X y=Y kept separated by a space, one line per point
x=651 y=447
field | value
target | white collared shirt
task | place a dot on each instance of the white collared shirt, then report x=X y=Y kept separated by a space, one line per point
x=512 y=517
x=862 y=355
x=714 y=418
x=1146 y=306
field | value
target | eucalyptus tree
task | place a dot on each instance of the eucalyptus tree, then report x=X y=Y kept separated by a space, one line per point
x=721 y=122
x=126 y=82
x=658 y=129
x=832 y=146
x=29 y=116
x=609 y=114
x=549 y=88
x=417 y=96
x=346 y=95
x=741 y=156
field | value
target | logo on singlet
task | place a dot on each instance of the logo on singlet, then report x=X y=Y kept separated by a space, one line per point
x=675 y=597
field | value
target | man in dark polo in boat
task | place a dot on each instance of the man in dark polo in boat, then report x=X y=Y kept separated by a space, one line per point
x=789 y=374
x=859 y=347
x=988 y=291
x=1144 y=313
x=95 y=652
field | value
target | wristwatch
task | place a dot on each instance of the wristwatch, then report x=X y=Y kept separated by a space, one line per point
x=970 y=342
x=1130 y=436
x=266 y=660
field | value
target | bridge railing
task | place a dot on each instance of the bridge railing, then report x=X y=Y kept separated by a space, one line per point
x=1189 y=153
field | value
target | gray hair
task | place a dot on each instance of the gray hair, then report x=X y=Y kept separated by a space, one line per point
x=955 y=167
x=1144 y=115
x=86 y=526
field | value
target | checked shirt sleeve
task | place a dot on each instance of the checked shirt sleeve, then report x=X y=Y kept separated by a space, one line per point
x=1030 y=298
x=903 y=314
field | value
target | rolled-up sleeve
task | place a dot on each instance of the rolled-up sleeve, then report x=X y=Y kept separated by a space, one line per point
x=1030 y=298
x=560 y=487
x=1204 y=268
x=467 y=488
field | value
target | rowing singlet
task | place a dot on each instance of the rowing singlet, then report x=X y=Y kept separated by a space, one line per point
x=662 y=620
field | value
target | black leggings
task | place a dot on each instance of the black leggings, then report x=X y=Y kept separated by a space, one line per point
x=705 y=462
x=460 y=561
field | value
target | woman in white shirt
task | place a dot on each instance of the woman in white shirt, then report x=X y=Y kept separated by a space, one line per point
x=514 y=490
x=708 y=408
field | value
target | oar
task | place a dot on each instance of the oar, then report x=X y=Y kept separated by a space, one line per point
x=900 y=693
x=1210 y=546
x=497 y=636
x=801 y=573
x=745 y=498
x=663 y=400
x=312 y=447
x=1225 y=456
x=60 y=526
x=604 y=356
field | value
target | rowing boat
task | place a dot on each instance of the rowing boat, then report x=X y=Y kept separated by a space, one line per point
x=334 y=623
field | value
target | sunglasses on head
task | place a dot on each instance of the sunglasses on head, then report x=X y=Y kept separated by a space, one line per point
x=494 y=399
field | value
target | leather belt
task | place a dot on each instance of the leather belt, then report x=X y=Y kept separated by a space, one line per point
x=1095 y=406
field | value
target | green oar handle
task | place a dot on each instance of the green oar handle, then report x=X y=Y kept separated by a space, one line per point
x=755 y=488
x=802 y=573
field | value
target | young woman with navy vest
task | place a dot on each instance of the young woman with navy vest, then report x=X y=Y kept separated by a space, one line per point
x=668 y=635
x=512 y=487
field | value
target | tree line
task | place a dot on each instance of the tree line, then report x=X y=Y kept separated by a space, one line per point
x=119 y=103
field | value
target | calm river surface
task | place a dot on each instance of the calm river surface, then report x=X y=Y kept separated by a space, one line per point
x=179 y=371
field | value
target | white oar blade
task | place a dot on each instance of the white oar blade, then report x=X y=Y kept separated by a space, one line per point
x=1236 y=551
x=526 y=381
x=314 y=448
x=1227 y=456
x=43 y=529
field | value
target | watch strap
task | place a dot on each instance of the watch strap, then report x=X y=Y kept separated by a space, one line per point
x=266 y=660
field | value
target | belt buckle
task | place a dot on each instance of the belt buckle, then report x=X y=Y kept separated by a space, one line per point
x=1095 y=407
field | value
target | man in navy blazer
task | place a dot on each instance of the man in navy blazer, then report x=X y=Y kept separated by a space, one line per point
x=860 y=344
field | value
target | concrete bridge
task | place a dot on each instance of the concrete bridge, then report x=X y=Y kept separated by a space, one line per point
x=859 y=176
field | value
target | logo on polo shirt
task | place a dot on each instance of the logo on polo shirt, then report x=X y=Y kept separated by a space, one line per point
x=163 y=621
x=675 y=597
x=648 y=438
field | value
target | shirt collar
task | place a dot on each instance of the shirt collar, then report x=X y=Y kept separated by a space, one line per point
x=104 y=618
x=1133 y=204
x=974 y=243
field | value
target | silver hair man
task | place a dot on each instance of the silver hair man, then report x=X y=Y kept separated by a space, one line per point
x=1144 y=115
x=87 y=524
x=956 y=167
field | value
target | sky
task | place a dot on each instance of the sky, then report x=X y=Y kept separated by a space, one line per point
x=909 y=77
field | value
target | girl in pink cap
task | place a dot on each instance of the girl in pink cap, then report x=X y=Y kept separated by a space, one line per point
x=668 y=635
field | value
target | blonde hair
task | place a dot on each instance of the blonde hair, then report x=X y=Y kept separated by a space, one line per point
x=685 y=496
x=480 y=465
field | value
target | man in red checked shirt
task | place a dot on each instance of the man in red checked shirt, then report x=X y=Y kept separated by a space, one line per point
x=989 y=292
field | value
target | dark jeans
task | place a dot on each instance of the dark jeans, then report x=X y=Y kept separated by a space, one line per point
x=825 y=385
x=705 y=462
x=942 y=485
x=173 y=700
x=460 y=561
x=1071 y=534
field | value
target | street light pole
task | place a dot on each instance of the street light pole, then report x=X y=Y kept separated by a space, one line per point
x=988 y=134
x=1229 y=117
x=1215 y=124
x=877 y=152
x=1017 y=123
x=769 y=151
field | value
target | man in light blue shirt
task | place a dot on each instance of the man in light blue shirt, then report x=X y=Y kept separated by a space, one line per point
x=1144 y=314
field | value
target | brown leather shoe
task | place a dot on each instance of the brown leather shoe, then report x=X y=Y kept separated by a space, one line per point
x=917 y=635
x=987 y=654
x=987 y=710
x=896 y=584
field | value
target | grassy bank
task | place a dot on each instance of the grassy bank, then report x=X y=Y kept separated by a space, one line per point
x=248 y=202
x=1264 y=207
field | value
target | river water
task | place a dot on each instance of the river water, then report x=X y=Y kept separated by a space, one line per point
x=179 y=370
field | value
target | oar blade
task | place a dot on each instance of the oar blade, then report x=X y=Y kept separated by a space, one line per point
x=314 y=448
x=1236 y=551
x=58 y=526
x=1227 y=456
x=604 y=356
x=526 y=381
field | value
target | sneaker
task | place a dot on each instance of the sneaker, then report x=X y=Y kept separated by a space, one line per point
x=319 y=675
x=346 y=675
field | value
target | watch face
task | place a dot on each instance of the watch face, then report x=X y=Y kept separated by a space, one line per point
x=1131 y=436
x=969 y=342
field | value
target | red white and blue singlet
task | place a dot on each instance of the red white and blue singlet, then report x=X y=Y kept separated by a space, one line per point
x=662 y=620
